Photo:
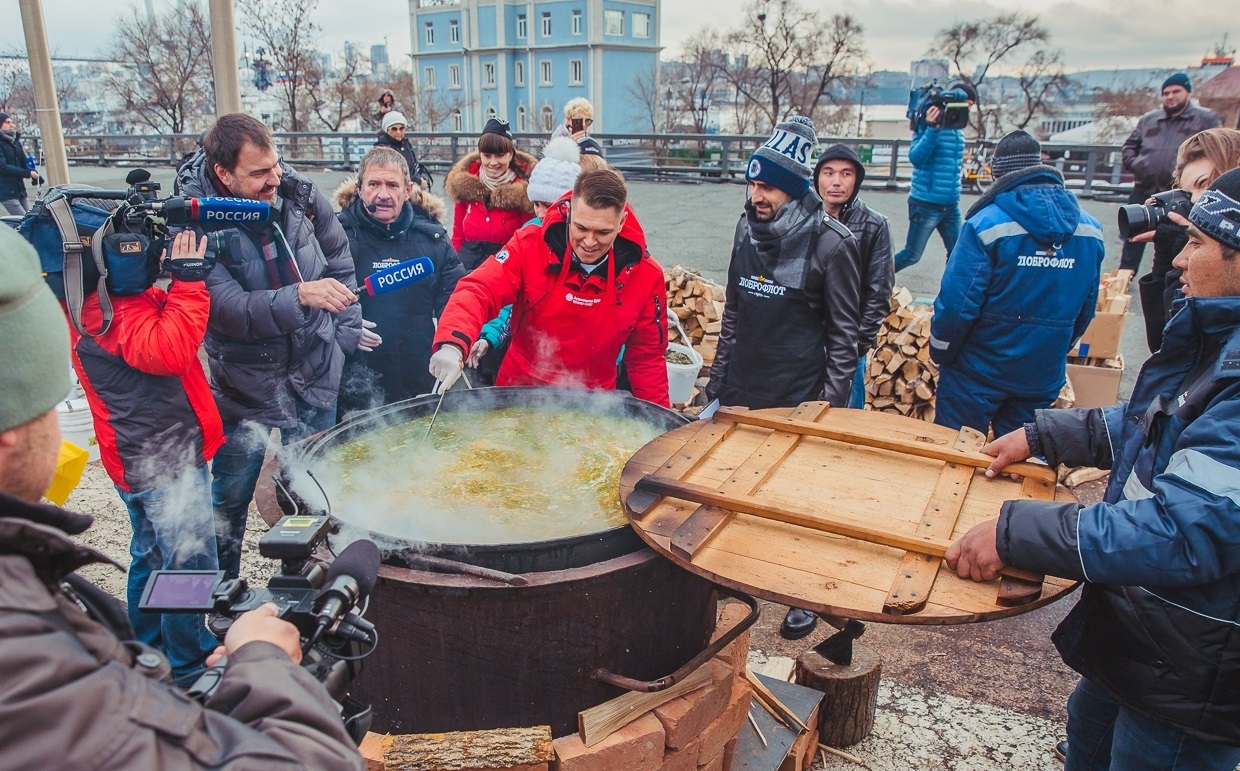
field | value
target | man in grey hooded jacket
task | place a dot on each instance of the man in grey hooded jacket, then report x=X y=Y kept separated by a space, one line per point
x=284 y=313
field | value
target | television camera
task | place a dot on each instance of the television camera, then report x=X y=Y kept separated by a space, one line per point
x=953 y=104
x=325 y=604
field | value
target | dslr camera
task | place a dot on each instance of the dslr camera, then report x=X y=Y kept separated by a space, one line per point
x=1137 y=218
x=953 y=104
x=325 y=604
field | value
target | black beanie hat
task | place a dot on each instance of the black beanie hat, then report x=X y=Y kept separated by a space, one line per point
x=590 y=147
x=3 y=117
x=1217 y=211
x=497 y=126
x=1178 y=79
x=968 y=88
x=1018 y=150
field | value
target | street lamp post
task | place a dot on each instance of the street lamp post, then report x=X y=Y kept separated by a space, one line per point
x=47 y=111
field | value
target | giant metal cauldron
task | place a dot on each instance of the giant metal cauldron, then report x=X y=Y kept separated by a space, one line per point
x=459 y=652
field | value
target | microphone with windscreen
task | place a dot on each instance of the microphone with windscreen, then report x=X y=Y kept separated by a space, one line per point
x=351 y=577
x=397 y=276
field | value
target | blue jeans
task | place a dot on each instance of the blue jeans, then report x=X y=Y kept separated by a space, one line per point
x=923 y=220
x=1103 y=735
x=173 y=529
x=235 y=470
x=963 y=401
x=856 y=397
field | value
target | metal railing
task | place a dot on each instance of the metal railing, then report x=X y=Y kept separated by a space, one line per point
x=1090 y=170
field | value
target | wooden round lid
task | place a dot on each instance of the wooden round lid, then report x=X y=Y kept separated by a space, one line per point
x=838 y=511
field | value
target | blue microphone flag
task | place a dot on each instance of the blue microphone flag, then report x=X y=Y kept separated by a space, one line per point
x=398 y=276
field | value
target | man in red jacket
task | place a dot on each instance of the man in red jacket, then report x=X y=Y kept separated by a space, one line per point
x=582 y=288
x=158 y=426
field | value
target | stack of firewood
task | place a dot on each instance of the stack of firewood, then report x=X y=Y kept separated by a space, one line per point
x=901 y=378
x=697 y=303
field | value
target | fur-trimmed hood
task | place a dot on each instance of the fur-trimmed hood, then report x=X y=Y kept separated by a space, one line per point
x=432 y=204
x=463 y=184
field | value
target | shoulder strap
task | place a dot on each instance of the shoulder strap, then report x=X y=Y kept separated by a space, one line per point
x=62 y=214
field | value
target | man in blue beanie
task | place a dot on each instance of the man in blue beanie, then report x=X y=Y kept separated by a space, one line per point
x=1150 y=150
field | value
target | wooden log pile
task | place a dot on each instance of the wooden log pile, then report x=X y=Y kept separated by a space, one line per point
x=900 y=377
x=697 y=303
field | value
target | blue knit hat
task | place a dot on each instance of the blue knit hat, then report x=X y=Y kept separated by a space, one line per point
x=784 y=160
x=1217 y=211
x=1178 y=79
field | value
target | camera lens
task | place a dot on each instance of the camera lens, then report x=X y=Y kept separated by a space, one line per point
x=1135 y=219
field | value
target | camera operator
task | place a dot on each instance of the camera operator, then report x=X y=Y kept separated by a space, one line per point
x=1202 y=159
x=937 y=155
x=75 y=691
x=1149 y=152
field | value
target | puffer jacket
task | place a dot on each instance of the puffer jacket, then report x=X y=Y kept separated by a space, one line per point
x=152 y=408
x=791 y=312
x=405 y=317
x=877 y=268
x=483 y=220
x=13 y=171
x=1150 y=150
x=1021 y=285
x=937 y=155
x=1158 y=624
x=417 y=172
x=85 y=699
x=263 y=347
x=568 y=327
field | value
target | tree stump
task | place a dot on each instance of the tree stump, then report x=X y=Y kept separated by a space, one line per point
x=847 y=714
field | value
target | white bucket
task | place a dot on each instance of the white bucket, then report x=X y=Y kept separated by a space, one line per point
x=78 y=426
x=681 y=377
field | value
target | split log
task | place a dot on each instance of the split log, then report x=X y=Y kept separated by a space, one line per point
x=901 y=377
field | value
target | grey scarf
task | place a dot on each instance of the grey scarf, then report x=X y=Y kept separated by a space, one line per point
x=9 y=135
x=791 y=232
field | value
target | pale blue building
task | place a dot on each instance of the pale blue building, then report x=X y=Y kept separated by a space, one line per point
x=475 y=59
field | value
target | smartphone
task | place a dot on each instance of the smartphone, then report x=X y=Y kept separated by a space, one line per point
x=577 y=125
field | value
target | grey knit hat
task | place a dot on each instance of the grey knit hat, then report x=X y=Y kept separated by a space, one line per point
x=1217 y=211
x=1015 y=151
x=34 y=336
x=784 y=160
x=555 y=174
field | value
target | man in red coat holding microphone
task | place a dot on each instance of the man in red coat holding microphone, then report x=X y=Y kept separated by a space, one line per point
x=582 y=289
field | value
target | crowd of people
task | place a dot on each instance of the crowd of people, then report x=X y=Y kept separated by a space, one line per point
x=545 y=279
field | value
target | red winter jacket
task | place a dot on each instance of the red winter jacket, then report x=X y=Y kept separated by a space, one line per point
x=481 y=214
x=568 y=327
x=153 y=410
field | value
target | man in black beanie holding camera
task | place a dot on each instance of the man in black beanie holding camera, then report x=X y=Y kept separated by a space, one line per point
x=76 y=691
x=1149 y=151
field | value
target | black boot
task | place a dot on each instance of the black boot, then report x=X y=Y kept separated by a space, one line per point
x=797 y=624
x=1061 y=751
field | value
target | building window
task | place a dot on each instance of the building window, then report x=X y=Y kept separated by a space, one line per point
x=454 y=76
x=576 y=22
x=546 y=24
x=518 y=73
x=544 y=73
x=574 y=72
x=521 y=26
x=458 y=123
x=429 y=78
x=641 y=25
x=454 y=31
x=548 y=118
x=523 y=120
x=613 y=22
x=430 y=34
x=488 y=75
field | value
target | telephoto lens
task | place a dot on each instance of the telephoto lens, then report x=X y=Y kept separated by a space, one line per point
x=1135 y=219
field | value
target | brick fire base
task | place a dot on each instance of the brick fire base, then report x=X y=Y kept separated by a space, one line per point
x=694 y=732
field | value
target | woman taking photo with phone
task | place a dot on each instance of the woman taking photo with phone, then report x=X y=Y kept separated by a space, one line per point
x=489 y=189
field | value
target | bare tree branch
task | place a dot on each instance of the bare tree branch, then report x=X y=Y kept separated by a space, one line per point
x=1041 y=80
x=288 y=34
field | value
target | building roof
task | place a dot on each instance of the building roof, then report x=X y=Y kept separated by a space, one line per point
x=1225 y=85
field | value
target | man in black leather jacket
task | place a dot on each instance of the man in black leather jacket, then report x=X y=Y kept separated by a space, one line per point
x=837 y=179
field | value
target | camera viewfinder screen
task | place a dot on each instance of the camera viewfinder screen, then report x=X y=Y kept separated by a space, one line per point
x=185 y=590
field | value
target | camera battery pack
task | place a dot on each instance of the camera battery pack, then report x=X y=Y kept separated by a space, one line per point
x=294 y=537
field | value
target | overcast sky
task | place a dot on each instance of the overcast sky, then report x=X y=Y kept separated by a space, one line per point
x=1095 y=34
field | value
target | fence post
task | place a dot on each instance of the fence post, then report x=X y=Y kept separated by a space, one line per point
x=894 y=167
x=725 y=158
x=172 y=150
x=348 y=154
x=1088 y=190
x=99 y=147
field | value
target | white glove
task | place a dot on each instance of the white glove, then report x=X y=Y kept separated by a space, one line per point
x=478 y=351
x=369 y=340
x=446 y=364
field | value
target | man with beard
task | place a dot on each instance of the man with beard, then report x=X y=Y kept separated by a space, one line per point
x=394 y=229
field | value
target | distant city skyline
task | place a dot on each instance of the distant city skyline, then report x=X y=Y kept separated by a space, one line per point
x=1095 y=34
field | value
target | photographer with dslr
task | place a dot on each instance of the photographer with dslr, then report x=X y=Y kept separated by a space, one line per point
x=75 y=691
x=937 y=155
x=1149 y=152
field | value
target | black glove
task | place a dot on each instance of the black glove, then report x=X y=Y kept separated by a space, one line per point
x=191 y=268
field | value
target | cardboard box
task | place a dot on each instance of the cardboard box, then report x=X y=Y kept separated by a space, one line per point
x=1095 y=381
x=1102 y=336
